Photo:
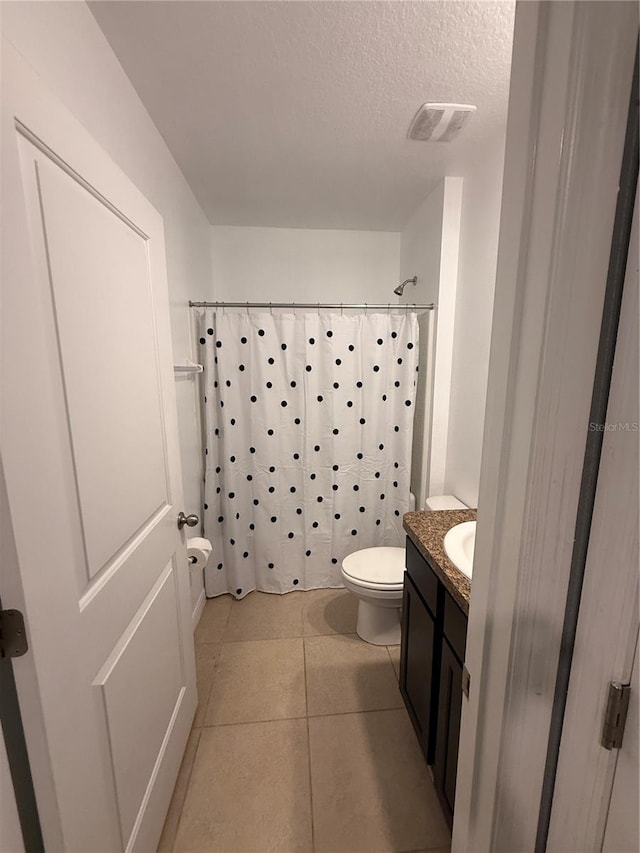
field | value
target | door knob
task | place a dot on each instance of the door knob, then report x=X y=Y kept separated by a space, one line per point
x=189 y=520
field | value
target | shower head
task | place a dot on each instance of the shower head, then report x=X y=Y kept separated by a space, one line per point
x=400 y=288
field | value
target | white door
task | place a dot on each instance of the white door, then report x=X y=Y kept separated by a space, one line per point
x=607 y=631
x=89 y=442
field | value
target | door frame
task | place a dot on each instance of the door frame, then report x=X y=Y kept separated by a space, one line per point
x=605 y=630
x=17 y=769
x=570 y=86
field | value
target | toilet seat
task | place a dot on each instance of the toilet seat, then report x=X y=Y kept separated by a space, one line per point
x=379 y=568
x=383 y=587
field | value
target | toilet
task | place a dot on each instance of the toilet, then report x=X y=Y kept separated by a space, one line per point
x=375 y=576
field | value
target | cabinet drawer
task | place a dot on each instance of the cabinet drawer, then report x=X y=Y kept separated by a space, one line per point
x=455 y=626
x=423 y=577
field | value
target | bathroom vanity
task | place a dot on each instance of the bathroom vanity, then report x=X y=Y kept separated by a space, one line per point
x=434 y=632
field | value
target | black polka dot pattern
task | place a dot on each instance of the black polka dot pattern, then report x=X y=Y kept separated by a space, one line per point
x=308 y=425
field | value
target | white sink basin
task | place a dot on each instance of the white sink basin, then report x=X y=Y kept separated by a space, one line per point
x=459 y=545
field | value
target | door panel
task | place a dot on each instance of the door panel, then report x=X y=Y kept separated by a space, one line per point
x=448 y=734
x=101 y=290
x=90 y=448
x=141 y=684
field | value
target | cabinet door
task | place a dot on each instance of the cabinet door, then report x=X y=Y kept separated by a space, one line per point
x=416 y=665
x=448 y=732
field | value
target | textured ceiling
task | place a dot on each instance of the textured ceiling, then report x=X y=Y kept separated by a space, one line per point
x=295 y=114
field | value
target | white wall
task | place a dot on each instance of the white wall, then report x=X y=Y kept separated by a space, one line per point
x=65 y=46
x=429 y=249
x=451 y=244
x=478 y=255
x=304 y=265
x=420 y=253
x=421 y=248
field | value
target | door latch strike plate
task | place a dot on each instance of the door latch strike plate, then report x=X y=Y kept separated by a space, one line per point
x=615 y=715
x=13 y=636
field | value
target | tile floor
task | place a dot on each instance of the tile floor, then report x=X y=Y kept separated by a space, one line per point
x=301 y=743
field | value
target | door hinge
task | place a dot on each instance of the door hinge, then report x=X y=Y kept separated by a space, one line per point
x=13 y=636
x=466 y=680
x=615 y=715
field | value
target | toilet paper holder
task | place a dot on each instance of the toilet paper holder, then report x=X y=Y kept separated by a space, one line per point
x=198 y=551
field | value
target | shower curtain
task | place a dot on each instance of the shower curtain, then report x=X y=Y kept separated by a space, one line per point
x=308 y=443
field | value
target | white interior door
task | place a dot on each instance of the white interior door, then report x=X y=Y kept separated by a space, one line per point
x=607 y=631
x=89 y=442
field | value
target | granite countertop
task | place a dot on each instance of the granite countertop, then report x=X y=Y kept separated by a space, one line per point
x=427 y=530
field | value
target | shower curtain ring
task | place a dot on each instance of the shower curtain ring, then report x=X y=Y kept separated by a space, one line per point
x=366 y=308
x=318 y=309
x=271 y=309
x=247 y=309
x=342 y=309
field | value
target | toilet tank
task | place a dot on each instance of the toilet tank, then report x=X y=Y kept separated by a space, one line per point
x=444 y=502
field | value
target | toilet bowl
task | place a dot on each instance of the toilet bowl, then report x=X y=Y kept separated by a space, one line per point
x=375 y=577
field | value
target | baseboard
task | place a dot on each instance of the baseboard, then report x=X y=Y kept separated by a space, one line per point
x=197 y=610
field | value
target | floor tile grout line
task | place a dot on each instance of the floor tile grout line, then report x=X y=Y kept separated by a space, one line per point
x=304 y=677
x=250 y=640
x=186 y=788
x=307 y=717
x=395 y=672
x=283 y=637
x=210 y=690
x=226 y=621
x=216 y=663
x=223 y=627
x=435 y=849
x=286 y=637
x=359 y=711
x=421 y=849
x=306 y=706
x=251 y=722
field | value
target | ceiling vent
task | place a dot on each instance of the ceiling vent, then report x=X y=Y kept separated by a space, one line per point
x=439 y=122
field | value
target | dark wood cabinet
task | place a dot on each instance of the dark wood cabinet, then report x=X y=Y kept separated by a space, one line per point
x=434 y=631
x=448 y=728
x=416 y=666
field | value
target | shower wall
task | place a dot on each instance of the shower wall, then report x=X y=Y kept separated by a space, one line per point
x=304 y=265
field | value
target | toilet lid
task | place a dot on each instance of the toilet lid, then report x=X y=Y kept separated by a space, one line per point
x=376 y=565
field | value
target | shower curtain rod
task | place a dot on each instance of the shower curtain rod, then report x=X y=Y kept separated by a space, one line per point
x=312 y=305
